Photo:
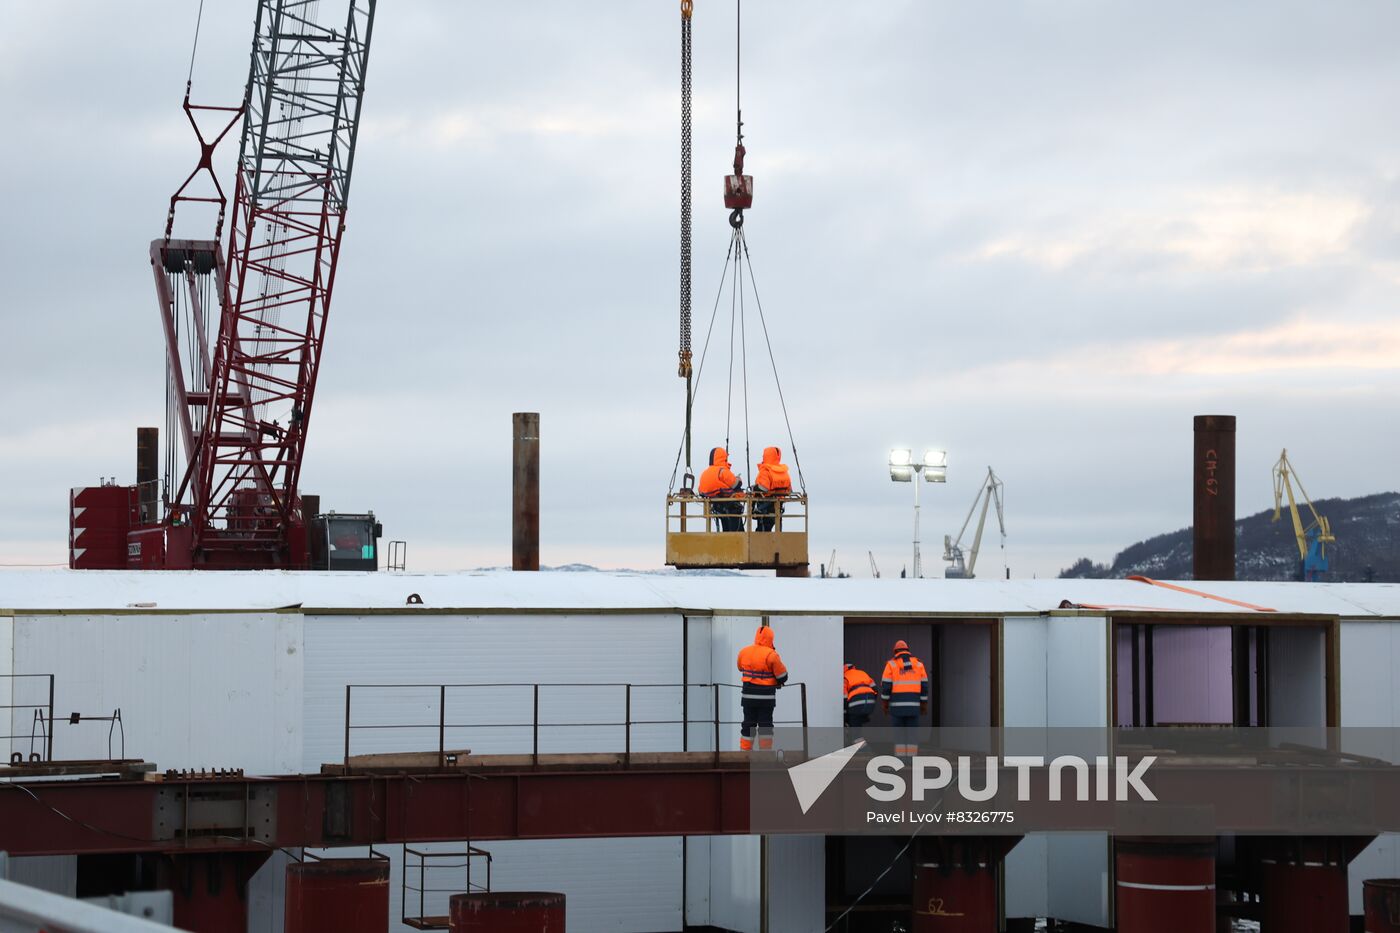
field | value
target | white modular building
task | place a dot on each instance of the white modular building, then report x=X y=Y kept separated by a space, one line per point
x=250 y=670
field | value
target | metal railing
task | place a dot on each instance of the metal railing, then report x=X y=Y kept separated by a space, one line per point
x=698 y=514
x=423 y=862
x=39 y=715
x=623 y=695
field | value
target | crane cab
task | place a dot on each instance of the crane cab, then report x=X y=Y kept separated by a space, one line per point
x=723 y=534
x=340 y=541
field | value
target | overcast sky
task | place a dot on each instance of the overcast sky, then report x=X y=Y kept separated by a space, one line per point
x=1041 y=235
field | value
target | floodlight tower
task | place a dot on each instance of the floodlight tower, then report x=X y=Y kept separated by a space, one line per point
x=904 y=469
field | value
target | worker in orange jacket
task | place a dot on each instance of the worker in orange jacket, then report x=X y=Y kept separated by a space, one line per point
x=859 y=689
x=904 y=691
x=763 y=674
x=720 y=482
x=773 y=481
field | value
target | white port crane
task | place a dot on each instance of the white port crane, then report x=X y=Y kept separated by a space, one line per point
x=958 y=568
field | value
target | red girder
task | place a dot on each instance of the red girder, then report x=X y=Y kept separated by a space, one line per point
x=321 y=810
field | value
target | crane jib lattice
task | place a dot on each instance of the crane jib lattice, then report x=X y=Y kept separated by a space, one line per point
x=305 y=87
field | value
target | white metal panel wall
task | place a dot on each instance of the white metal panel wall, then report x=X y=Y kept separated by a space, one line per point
x=1077 y=672
x=8 y=720
x=699 y=669
x=814 y=653
x=700 y=674
x=697 y=880
x=734 y=871
x=588 y=659
x=195 y=690
x=57 y=874
x=1024 y=707
x=734 y=868
x=1076 y=694
x=607 y=883
x=1024 y=677
x=796 y=884
x=621 y=886
x=267 y=893
x=1079 y=877
x=1370 y=658
x=812 y=650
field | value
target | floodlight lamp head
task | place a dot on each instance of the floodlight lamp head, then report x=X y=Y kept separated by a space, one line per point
x=935 y=466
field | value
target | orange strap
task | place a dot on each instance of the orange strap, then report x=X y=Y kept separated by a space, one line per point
x=1204 y=595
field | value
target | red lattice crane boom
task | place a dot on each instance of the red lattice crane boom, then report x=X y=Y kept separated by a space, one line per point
x=240 y=396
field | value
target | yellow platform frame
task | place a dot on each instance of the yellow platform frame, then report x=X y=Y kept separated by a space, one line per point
x=694 y=543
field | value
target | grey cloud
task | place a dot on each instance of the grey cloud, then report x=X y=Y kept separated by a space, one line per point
x=512 y=245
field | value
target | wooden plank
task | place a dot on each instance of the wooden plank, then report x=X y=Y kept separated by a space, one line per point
x=131 y=766
x=411 y=760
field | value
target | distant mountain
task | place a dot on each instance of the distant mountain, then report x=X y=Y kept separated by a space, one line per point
x=1367 y=547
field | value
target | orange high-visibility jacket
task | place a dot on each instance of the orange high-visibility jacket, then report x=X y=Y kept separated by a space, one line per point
x=718 y=479
x=761 y=667
x=773 y=478
x=905 y=682
x=859 y=688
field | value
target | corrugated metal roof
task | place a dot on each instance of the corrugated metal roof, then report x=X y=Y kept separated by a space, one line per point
x=630 y=592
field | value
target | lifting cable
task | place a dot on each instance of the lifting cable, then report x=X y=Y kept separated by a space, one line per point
x=738 y=252
x=687 y=8
x=199 y=18
x=684 y=448
x=787 y=422
x=878 y=878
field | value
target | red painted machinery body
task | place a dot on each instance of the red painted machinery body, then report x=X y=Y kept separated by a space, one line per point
x=339 y=895
x=507 y=912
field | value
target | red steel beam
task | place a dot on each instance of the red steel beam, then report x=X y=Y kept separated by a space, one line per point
x=251 y=814
x=172 y=816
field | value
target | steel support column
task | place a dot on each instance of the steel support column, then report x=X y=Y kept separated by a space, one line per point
x=1213 y=498
x=211 y=889
x=525 y=491
x=955 y=883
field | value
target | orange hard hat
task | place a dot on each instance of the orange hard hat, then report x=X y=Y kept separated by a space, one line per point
x=901 y=645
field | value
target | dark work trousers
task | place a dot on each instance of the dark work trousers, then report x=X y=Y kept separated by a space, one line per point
x=758 y=715
x=856 y=721
x=763 y=514
x=728 y=514
x=859 y=716
x=905 y=720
